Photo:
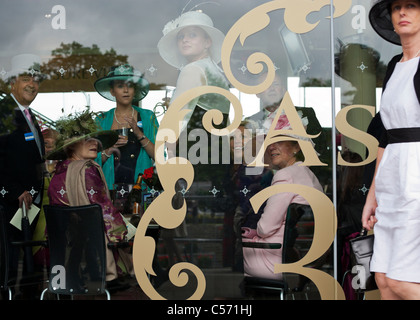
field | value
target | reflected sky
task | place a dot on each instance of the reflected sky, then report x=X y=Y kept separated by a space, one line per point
x=131 y=27
x=134 y=27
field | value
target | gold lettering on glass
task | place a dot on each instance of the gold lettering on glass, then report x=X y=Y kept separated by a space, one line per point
x=297 y=133
x=346 y=129
x=173 y=168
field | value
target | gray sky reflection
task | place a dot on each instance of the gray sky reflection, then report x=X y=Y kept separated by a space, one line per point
x=134 y=27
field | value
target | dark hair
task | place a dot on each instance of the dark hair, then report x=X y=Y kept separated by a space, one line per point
x=136 y=88
x=389 y=6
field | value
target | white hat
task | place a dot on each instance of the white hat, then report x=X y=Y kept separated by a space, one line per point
x=167 y=44
x=25 y=63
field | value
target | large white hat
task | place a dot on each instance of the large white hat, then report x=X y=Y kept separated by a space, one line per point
x=25 y=63
x=167 y=45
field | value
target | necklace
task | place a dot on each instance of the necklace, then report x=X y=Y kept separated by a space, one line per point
x=115 y=115
x=417 y=54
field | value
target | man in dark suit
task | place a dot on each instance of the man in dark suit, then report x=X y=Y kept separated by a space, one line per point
x=21 y=146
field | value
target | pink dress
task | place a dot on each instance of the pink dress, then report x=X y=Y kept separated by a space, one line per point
x=260 y=262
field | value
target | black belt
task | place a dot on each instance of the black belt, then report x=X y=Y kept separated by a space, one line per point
x=402 y=135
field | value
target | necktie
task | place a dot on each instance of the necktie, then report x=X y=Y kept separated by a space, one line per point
x=33 y=129
x=28 y=115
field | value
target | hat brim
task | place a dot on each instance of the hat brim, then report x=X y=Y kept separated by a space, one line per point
x=381 y=22
x=107 y=138
x=169 y=52
x=103 y=86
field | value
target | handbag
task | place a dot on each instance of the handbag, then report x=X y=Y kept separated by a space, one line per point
x=361 y=255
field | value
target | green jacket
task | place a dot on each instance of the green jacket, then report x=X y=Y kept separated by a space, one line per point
x=150 y=128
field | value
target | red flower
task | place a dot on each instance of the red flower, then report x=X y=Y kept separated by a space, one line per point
x=282 y=123
x=148 y=173
x=151 y=179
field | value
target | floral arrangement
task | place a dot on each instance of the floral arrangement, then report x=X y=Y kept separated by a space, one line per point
x=151 y=178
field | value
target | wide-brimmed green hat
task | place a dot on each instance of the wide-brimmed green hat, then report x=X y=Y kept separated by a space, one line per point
x=125 y=73
x=380 y=19
x=78 y=127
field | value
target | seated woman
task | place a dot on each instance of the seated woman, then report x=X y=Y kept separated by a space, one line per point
x=78 y=180
x=283 y=156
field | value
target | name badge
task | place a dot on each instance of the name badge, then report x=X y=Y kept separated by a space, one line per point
x=29 y=136
x=140 y=124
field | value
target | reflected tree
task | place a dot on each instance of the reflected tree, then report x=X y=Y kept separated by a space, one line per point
x=75 y=67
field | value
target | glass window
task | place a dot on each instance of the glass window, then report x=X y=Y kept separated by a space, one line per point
x=275 y=63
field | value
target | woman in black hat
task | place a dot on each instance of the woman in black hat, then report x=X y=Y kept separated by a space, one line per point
x=393 y=202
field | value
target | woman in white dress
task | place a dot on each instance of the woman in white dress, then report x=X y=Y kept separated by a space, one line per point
x=393 y=203
x=193 y=45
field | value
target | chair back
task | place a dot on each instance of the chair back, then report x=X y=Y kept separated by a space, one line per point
x=298 y=233
x=4 y=251
x=76 y=237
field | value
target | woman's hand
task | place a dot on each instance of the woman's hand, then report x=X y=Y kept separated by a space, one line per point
x=368 y=215
x=133 y=124
x=27 y=198
x=248 y=233
x=121 y=142
x=144 y=140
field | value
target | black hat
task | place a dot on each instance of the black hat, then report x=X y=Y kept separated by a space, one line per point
x=380 y=19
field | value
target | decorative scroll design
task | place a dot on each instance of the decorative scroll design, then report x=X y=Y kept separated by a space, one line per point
x=170 y=171
x=295 y=14
x=175 y=168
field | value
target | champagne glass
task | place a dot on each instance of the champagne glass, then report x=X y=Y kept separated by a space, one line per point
x=124 y=132
x=51 y=166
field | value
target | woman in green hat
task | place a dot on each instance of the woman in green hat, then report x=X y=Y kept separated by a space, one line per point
x=137 y=127
x=79 y=180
